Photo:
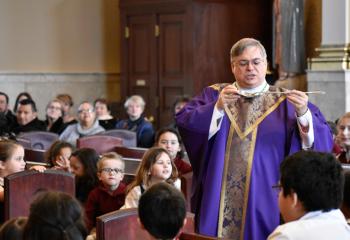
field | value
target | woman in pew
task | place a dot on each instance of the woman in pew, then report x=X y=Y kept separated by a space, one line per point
x=83 y=164
x=58 y=155
x=156 y=166
x=54 y=114
x=343 y=139
x=103 y=114
x=55 y=216
x=169 y=139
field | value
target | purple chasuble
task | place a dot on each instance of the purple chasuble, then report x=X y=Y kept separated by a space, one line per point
x=277 y=136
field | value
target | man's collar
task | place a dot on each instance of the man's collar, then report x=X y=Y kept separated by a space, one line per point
x=263 y=87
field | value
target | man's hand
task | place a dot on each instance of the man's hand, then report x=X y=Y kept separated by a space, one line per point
x=299 y=100
x=227 y=95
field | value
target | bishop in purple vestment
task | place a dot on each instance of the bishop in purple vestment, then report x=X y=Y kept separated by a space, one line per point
x=236 y=135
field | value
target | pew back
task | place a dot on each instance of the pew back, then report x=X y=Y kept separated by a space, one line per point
x=122 y=224
x=21 y=188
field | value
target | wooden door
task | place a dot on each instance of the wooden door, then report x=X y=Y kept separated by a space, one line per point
x=172 y=74
x=141 y=50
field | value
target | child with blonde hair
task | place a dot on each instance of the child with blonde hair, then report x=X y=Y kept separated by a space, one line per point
x=156 y=166
x=110 y=194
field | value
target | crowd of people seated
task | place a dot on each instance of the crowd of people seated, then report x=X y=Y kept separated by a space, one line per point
x=99 y=178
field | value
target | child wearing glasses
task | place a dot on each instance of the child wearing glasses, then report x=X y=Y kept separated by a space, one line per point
x=109 y=195
x=156 y=166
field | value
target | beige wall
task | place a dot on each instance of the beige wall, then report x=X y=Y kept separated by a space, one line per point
x=58 y=36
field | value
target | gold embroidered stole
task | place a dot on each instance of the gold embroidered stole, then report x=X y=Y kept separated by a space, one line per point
x=245 y=115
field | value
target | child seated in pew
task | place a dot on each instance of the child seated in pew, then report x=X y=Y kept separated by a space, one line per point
x=156 y=166
x=11 y=161
x=13 y=229
x=162 y=211
x=58 y=155
x=169 y=139
x=110 y=194
x=83 y=164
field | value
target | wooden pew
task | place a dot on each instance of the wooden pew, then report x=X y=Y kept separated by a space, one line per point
x=101 y=144
x=130 y=152
x=129 y=137
x=122 y=224
x=39 y=139
x=21 y=187
x=186 y=188
x=34 y=155
x=196 y=236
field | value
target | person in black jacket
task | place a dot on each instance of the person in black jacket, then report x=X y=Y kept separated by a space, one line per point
x=7 y=118
x=27 y=118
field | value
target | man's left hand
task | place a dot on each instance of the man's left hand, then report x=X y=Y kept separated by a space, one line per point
x=299 y=100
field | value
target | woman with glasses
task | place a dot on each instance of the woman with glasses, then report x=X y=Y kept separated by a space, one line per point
x=87 y=125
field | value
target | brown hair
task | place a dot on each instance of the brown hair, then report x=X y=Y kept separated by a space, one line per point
x=148 y=160
x=7 y=147
x=66 y=99
x=55 y=150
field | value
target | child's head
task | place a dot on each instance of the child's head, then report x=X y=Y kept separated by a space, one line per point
x=57 y=150
x=111 y=168
x=162 y=211
x=55 y=215
x=11 y=157
x=169 y=139
x=343 y=129
x=13 y=229
x=310 y=181
x=156 y=166
x=83 y=162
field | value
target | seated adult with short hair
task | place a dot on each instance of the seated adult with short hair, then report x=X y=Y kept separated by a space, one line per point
x=311 y=193
x=162 y=211
x=7 y=118
x=87 y=125
x=135 y=105
x=27 y=119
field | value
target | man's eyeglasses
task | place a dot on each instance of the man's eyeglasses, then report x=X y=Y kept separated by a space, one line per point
x=112 y=170
x=85 y=111
x=255 y=62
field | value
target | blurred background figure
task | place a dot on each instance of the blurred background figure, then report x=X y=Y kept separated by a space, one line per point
x=103 y=113
x=7 y=118
x=67 y=104
x=21 y=96
x=179 y=103
x=54 y=114
x=27 y=119
x=87 y=125
x=135 y=106
x=343 y=139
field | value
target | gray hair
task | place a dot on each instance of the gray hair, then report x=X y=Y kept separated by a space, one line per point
x=238 y=48
x=136 y=99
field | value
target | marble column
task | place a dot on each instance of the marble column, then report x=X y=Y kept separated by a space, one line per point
x=330 y=71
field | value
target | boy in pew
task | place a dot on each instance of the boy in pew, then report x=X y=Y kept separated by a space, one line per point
x=311 y=191
x=110 y=194
x=162 y=211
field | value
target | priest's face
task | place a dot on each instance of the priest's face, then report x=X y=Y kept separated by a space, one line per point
x=249 y=68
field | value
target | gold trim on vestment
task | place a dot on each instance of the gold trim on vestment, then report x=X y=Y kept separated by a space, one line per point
x=245 y=116
x=256 y=123
x=223 y=187
x=247 y=184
